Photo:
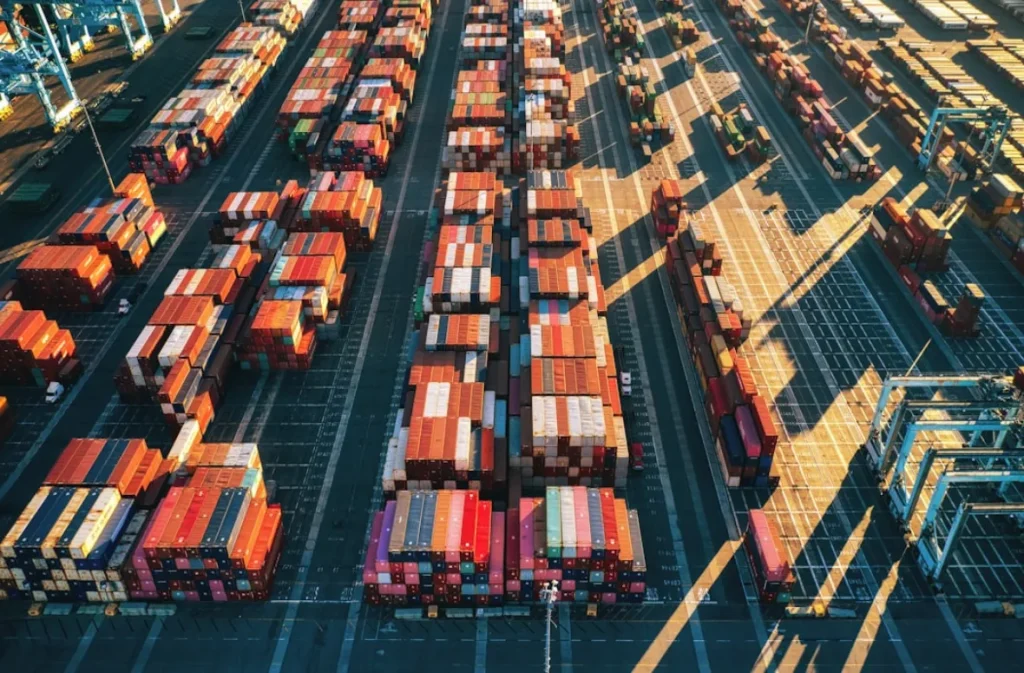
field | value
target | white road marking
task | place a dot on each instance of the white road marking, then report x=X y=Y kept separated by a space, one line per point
x=480 y=662
x=116 y=331
x=678 y=548
x=285 y=634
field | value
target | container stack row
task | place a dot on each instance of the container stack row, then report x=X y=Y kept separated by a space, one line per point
x=443 y=547
x=182 y=356
x=955 y=14
x=946 y=83
x=213 y=536
x=33 y=349
x=868 y=14
x=125 y=228
x=319 y=89
x=374 y=116
x=917 y=243
x=715 y=325
x=545 y=127
x=480 y=112
x=668 y=210
x=511 y=385
x=301 y=303
x=570 y=428
x=995 y=207
x=624 y=40
x=285 y=16
x=586 y=539
x=195 y=126
x=346 y=202
x=72 y=540
x=76 y=270
x=842 y=155
x=452 y=432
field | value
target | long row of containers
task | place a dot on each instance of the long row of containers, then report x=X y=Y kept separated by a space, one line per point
x=511 y=387
x=995 y=207
x=870 y=13
x=33 y=349
x=843 y=155
x=715 y=325
x=624 y=39
x=452 y=548
x=98 y=529
x=195 y=126
x=916 y=243
x=947 y=83
x=75 y=270
x=955 y=14
x=115 y=520
x=347 y=109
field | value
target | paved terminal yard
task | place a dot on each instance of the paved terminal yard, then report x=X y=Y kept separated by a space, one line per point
x=832 y=320
x=159 y=72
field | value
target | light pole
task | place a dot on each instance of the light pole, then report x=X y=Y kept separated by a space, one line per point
x=810 y=19
x=99 y=148
x=242 y=8
x=549 y=595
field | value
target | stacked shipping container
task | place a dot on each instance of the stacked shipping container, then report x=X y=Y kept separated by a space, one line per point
x=285 y=16
x=546 y=133
x=76 y=271
x=301 y=302
x=842 y=155
x=583 y=538
x=346 y=202
x=995 y=207
x=32 y=348
x=917 y=244
x=625 y=41
x=715 y=326
x=183 y=355
x=452 y=431
x=71 y=541
x=213 y=537
x=773 y=575
x=195 y=126
x=441 y=547
x=570 y=429
x=317 y=91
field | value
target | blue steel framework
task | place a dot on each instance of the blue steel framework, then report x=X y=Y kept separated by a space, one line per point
x=38 y=54
x=985 y=417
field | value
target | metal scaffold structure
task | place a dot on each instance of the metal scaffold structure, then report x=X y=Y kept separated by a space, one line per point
x=946 y=435
x=38 y=55
x=34 y=58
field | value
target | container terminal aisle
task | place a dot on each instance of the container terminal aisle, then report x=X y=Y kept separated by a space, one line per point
x=321 y=432
x=168 y=60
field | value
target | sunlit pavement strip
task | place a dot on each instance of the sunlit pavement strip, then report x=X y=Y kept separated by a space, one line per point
x=700 y=649
x=753 y=608
x=686 y=612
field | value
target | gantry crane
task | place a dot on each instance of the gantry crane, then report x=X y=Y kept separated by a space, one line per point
x=983 y=421
x=995 y=123
x=37 y=55
x=34 y=58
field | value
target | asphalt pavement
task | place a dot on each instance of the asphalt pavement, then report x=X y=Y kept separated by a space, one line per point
x=831 y=321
